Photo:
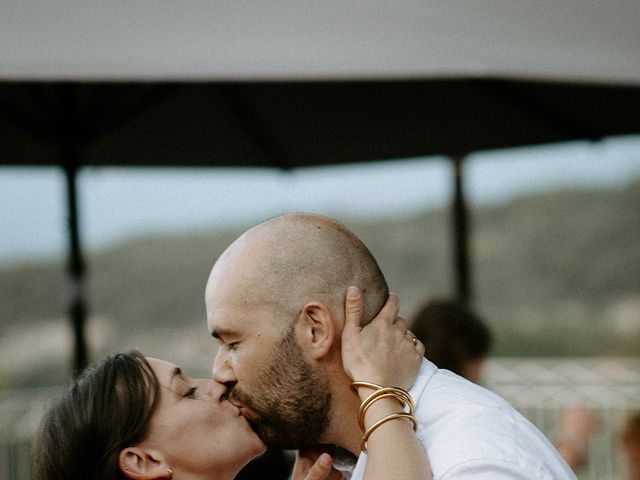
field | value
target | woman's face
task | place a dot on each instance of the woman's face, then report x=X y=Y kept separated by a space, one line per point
x=196 y=428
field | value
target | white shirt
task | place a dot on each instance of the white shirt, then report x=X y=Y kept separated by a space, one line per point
x=471 y=433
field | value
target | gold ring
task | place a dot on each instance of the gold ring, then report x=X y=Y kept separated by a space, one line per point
x=415 y=339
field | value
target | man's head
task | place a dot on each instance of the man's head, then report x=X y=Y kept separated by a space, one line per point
x=275 y=301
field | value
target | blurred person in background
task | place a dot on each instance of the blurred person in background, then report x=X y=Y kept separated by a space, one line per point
x=630 y=439
x=574 y=434
x=456 y=338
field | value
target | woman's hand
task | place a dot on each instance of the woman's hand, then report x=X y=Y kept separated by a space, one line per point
x=382 y=352
x=314 y=463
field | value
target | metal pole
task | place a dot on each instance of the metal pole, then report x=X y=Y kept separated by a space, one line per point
x=460 y=234
x=76 y=281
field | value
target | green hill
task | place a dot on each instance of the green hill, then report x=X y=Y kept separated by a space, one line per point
x=554 y=274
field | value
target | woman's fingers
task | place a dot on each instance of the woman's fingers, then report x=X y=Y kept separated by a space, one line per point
x=353 y=309
x=418 y=345
x=321 y=469
x=389 y=312
x=401 y=324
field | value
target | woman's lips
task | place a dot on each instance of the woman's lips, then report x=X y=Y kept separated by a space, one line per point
x=237 y=405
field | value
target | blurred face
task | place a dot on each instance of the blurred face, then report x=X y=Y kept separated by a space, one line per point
x=632 y=452
x=276 y=388
x=198 y=430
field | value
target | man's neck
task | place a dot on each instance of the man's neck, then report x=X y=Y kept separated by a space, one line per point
x=343 y=428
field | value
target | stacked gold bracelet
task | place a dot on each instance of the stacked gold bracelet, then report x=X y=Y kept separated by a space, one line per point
x=382 y=392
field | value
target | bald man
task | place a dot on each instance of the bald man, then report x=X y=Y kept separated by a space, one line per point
x=275 y=304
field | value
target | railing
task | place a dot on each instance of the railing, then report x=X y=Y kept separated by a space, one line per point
x=20 y=414
x=542 y=389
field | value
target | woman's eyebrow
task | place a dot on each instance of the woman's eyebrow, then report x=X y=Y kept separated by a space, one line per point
x=176 y=372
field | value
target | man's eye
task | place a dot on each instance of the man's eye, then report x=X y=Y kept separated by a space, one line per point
x=232 y=345
x=191 y=392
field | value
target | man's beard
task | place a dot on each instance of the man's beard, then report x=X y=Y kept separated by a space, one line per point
x=290 y=403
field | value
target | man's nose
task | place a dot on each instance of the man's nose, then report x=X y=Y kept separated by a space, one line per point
x=222 y=371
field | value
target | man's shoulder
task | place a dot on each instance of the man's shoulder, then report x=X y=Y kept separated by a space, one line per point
x=445 y=391
x=463 y=423
x=450 y=405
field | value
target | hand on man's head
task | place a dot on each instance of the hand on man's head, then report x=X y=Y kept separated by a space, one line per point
x=384 y=351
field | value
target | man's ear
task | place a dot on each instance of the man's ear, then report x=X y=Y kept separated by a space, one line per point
x=143 y=464
x=319 y=329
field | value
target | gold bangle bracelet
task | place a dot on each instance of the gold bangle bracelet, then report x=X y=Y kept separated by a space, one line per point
x=367 y=434
x=365 y=406
x=403 y=397
x=354 y=386
x=401 y=392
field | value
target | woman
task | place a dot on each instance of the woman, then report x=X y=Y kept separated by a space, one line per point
x=143 y=418
x=135 y=416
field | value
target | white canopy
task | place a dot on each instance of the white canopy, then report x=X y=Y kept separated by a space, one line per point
x=591 y=41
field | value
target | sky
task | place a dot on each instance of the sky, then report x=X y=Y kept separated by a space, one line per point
x=118 y=203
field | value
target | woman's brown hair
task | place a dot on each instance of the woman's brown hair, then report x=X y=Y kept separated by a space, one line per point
x=106 y=410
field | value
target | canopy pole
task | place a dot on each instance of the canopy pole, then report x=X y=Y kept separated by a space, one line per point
x=460 y=225
x=75 y=278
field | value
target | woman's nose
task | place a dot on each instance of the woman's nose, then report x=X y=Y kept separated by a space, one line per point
x=211 y=389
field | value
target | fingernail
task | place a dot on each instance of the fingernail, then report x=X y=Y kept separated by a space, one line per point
x=325 y=461
x=353 y=292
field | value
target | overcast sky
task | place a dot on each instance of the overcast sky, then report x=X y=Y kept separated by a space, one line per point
x=120 y=203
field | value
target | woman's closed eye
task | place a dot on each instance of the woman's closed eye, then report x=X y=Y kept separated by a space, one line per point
x=191 y=392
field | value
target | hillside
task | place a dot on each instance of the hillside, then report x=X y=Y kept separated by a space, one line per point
x=554 y=273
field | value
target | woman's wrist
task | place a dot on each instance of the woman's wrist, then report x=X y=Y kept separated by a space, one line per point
x=381 y=405
x=380 y=409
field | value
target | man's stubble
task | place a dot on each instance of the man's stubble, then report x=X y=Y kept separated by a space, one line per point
x=290 y=404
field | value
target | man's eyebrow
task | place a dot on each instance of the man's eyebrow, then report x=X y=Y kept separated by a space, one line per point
x=219 y=332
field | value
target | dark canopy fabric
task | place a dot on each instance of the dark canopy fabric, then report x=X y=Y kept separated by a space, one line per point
x=291 y=124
